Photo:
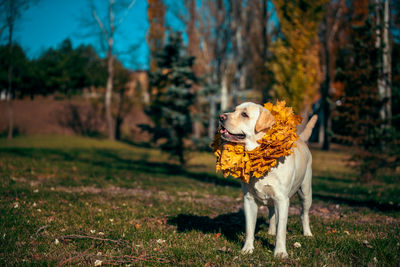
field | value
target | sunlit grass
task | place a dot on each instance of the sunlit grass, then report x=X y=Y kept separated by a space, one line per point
x=52 y=187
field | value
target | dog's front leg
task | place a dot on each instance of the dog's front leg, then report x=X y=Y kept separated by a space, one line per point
x=281 y=213
x=250 y=213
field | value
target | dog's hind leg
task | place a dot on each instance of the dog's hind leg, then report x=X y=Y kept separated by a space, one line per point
x=272 y=220
x=250 y=213
x=305 y=195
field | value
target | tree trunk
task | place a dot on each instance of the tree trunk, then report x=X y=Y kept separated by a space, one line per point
x=212 y=120
x=387 y=62
x=224 y=91
x=10 y=115
x=10 y=90
x=108 y=96
x=119 y=119
x=110 y=78
x=325 y=106
x=265 y=20
x=181 y=156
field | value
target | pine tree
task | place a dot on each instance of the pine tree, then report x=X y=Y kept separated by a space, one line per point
x=172 y=97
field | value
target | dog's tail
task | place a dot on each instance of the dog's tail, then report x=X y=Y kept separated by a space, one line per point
x=308 y=130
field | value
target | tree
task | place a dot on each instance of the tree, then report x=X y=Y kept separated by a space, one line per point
x=358 y=117
x=123 y=104
x=172 y=97
x=12 y=11
x=155 y=36
x=22 y=70
x=295 y=66
x=68 y=70
x=329 y=30
x=108 y=26
x=261 y=34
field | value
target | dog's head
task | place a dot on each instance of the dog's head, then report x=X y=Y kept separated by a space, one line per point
x=246 y=124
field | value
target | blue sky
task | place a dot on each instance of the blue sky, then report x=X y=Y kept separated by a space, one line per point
x=47 y=23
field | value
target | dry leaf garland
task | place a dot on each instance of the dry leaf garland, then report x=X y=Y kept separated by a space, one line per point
x=234 y=160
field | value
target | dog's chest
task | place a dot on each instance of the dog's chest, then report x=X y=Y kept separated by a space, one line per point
x=261 y=190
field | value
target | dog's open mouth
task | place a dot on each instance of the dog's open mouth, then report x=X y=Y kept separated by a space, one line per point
x=230 y=136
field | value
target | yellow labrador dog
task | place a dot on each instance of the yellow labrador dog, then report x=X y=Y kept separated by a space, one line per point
x=292 y=174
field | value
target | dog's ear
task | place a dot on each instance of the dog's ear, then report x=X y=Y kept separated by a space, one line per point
x=265 y=120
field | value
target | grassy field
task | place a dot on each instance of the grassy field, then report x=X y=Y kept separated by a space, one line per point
x=70 y=200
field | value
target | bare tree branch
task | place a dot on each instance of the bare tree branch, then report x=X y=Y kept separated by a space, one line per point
x=98 y=20
x=126 y=13
x=336 y=22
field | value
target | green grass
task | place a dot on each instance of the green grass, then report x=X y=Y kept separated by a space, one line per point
x=140 y=208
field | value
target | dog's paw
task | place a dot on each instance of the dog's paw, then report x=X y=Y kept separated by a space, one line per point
x=280 y=254
x=307 y=234
x=247 y=249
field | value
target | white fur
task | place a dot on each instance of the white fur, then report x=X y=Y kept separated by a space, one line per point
x=292 y=174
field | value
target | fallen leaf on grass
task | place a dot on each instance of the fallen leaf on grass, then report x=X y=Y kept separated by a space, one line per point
x=162 y=221
x=98 y=263
x=217 y=235
x=346 y=232
x=366 y=243
x=56 y=241
x=137 y=226
x=92 y=231
x=297 y=245
x=224 y=249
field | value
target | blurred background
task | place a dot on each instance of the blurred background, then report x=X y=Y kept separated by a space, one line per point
x=158 y=73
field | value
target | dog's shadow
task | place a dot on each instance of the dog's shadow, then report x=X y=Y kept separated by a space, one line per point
x=230 y=225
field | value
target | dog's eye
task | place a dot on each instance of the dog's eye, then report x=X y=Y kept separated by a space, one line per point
x=244 y=115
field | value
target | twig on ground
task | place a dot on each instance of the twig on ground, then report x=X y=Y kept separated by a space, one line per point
x=40 y=229
x=76 y=257
x=128 y=259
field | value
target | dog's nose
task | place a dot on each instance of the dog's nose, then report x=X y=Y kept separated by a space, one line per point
x=222 y=117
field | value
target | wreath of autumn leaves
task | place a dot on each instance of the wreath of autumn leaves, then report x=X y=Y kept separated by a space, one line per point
x=278 y=141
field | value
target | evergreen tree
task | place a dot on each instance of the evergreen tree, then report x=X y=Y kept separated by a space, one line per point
x=172 y=97
x=358 y=117
x=22 y=74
